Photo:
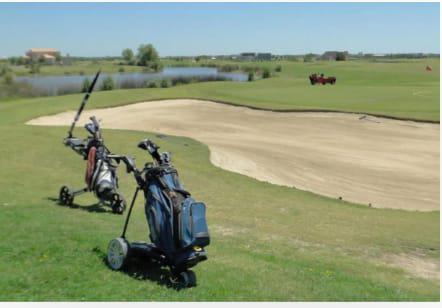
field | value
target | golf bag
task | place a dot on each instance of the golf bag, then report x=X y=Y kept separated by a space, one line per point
x=177 y=223
x=100 y=174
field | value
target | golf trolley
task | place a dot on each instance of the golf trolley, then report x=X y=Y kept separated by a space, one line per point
x=177 y=223
x=100 y=175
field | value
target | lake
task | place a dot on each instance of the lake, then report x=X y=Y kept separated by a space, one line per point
x=60 y=84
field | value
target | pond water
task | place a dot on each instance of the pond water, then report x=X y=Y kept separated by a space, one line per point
x=61 y=84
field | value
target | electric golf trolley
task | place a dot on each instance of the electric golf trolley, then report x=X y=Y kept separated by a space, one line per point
x=101 y=177
x=177 y=223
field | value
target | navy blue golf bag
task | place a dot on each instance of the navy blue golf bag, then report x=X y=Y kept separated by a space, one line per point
x=176 y=221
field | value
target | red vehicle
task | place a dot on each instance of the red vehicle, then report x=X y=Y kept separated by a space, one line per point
x=315 y=78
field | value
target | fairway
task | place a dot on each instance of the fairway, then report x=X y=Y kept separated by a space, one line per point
x=269 y=242
x=390 y=163
x=400 y=88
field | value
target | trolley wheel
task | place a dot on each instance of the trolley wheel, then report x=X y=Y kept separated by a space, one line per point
x=118 y=204
x=186 y=279
x=117 y=253
x=65 y=197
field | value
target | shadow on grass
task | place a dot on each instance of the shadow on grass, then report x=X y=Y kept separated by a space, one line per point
x=95 y=208
x=147 y=270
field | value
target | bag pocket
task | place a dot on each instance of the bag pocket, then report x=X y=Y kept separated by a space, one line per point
x=199 y=224
x=192 y=225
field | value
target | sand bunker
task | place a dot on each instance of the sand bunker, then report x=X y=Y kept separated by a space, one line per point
x=363 y=159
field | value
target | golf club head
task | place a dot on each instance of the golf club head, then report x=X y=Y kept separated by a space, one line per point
x=148 y=145
x=130 y=163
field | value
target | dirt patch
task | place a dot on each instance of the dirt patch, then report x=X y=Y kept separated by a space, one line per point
x=382 y=162
x=415 y=265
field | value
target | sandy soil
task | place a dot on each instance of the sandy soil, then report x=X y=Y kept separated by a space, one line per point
x=363 y=159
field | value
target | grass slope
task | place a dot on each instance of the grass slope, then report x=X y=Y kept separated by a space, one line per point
x=268 y=242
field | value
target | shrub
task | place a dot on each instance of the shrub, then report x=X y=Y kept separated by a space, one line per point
x=251 y=76
x=266 y=73
x=152 y=84
x=121 y=70
x=180 y=80
x=4 y=69
x=34 y=68
x=108 y=84
x=130 y=84
x=247 y=68
x=164 y=83
x=8 y=78
x=18 y=89
x=228 y=68
x=308 y=58
x=278 y=68
x=156 y=66
x=340 y=56
x=85 y=86
x=66 y=89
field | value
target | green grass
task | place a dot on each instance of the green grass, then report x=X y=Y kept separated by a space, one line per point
x=268 y=242
x=398 y=88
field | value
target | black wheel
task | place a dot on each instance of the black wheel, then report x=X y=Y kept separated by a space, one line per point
x=65 y=197
x=117 y=253
x=186 y=279
x=118 y=204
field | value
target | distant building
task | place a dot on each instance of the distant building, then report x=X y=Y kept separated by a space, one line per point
x=331 y=55
x=264 y=56
x=48 y=55
x=247 y=56
x=251 y=56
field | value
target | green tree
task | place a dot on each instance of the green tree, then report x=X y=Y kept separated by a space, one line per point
x=147 y=55
x=164 y=83
x=128 y=55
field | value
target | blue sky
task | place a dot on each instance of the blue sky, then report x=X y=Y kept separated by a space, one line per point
x=104 y=29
